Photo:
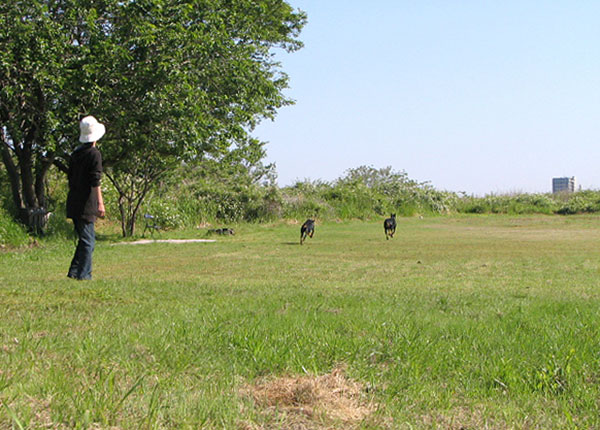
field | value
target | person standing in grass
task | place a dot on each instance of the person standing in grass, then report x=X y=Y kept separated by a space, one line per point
x=84 y=201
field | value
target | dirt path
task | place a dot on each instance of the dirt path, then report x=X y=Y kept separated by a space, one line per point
x=146 y=241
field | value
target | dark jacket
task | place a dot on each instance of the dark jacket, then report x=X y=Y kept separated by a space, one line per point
x=85 y=171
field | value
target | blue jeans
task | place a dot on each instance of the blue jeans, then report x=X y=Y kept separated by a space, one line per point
x=81 y=265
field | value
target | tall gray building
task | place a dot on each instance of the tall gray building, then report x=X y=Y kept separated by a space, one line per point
x=560 y=185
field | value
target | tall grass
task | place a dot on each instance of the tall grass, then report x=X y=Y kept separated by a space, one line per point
x=12 y=234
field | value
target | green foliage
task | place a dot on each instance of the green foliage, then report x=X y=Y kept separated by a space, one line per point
x=173 y=80
x=234 y=188
x=12 y=234
x=515 y=204
x=580 y=202
x=508 y=204
x=165 y=213
x=237 y=189
x=364 y=193
x=251 y=203
x=305 y=200
x=204 y=77
x=35 y=59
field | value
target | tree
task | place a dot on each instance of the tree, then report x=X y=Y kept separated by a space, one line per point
x=33 y=54
x=235 y=187
x=173 y=80
x=382 y=178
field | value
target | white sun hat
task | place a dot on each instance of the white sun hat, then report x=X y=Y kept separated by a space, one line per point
x=91 y=130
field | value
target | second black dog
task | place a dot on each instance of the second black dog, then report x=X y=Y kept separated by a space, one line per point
x=389 y=226
x=307 y=229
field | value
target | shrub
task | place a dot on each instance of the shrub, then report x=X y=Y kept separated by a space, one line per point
x=365 y=192
x=300 y=206
x=165 y=212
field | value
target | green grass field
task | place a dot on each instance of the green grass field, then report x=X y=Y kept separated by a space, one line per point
x=467 y=322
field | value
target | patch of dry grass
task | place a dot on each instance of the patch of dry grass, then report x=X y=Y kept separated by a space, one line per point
x=309 y=402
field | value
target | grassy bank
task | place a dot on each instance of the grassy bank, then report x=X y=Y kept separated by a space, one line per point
x=458 y=322
x=12 y=234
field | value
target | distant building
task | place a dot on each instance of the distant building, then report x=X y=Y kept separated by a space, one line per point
x=563 y=185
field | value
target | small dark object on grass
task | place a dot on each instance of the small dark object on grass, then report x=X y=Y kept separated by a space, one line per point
x=307 y=229
x=222 y=231
x=150 y=224
x=389 y=226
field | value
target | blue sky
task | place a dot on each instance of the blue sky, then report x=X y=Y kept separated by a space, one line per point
x=475 y=96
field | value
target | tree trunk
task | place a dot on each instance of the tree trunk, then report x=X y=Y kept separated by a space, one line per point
x=40 y=180
x=131 y=197
x=127 y=215
x=140 y=198
x=131 y=225
x=13 y=177
x=27 y=183
x=123 y=215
